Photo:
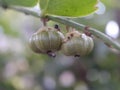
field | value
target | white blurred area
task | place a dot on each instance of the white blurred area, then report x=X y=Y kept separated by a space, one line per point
x=10 y=44
x=67 y=79
x=49 y=82
x=101 y=8
x=112 y=29
x=36 y=9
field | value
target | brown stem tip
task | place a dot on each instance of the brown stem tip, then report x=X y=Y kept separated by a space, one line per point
x=51 y=54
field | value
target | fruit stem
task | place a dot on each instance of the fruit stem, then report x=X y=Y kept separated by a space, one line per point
x=86 y=31
x=44 y=20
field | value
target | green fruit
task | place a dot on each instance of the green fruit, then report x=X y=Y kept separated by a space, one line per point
x=46 y=40
x=77 y=44
x=32 y=45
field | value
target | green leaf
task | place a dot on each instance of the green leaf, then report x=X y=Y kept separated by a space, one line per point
x=69 y=8
x=26 y=3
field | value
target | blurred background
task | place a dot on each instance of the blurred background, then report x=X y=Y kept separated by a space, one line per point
x=22 y=69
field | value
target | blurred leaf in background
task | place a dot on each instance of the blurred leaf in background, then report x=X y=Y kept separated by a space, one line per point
x=25 y=3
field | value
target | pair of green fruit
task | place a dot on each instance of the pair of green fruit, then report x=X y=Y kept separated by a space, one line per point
x=48 y=40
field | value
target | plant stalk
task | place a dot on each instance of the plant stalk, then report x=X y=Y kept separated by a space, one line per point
x=106 y=39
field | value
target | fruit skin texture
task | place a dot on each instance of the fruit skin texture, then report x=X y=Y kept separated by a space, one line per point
x=46 y=40
x=77 y=44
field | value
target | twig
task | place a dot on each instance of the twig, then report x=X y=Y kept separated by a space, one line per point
x=106 y=39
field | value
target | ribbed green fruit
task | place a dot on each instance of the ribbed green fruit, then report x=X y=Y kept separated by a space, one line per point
x=77 y=44
x=46 y=40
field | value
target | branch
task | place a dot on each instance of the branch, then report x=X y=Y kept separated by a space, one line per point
x=106 y=39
